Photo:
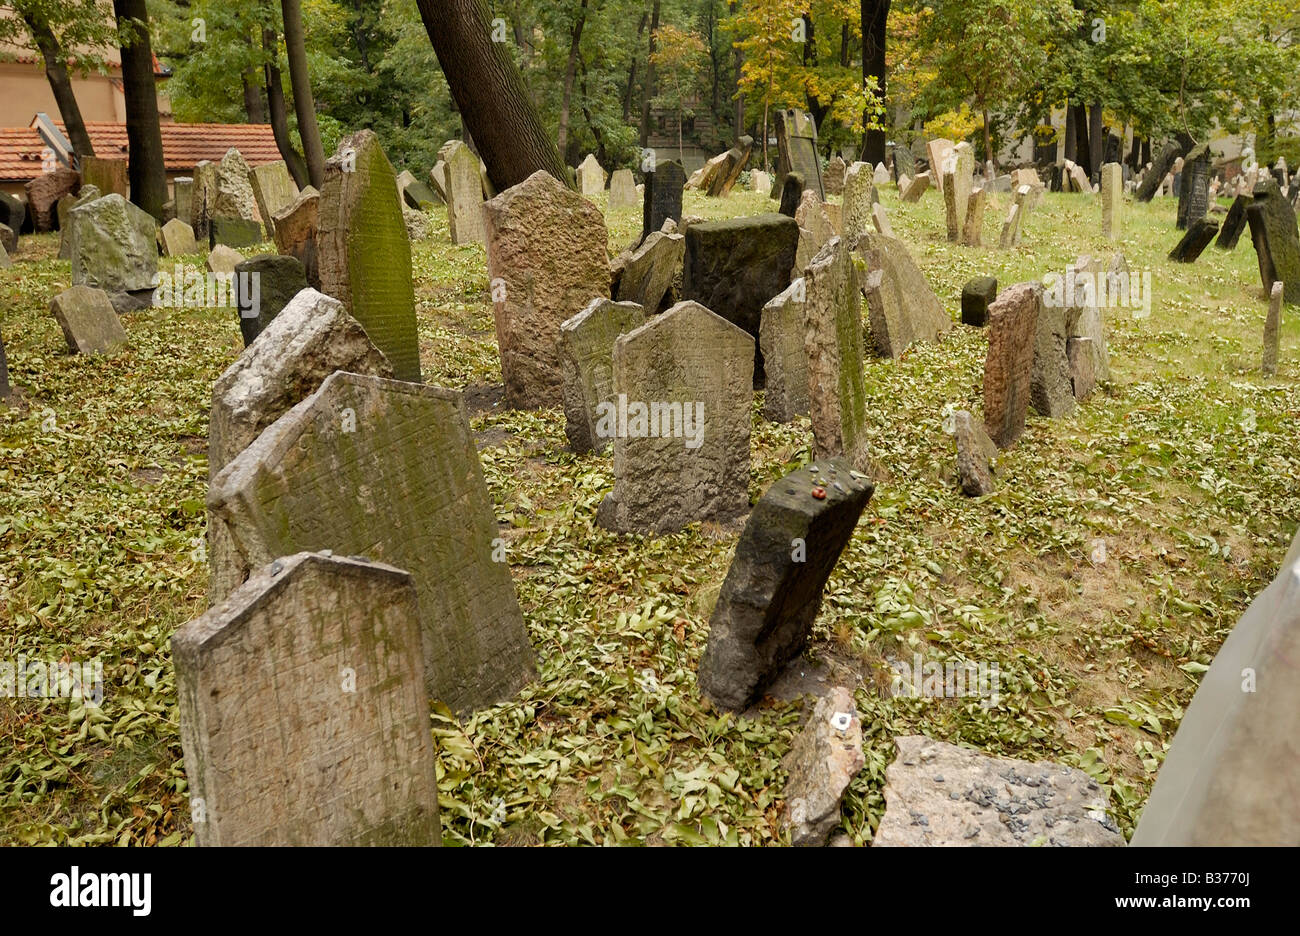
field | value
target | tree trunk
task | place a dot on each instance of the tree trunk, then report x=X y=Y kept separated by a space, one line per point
x=56 y=72
x=875 y=19
x=988 y=142
x=648 y=91
x=1096 y=149
x=146 y=171
x=738 y=117
x=1081 y=145
x=490 y=93
x=815 y=106
x=1071 y=136
x=295 y=44
x=563 y=137
x=280 y=112
x=252 y=97
x=631 y=72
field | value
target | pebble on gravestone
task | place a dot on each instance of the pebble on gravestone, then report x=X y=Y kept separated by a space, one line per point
x=1112 y=200
x=88 y=320
x=1277 y=244
x=587 y=360
x=1272 y=326
x=263 y=286
x=295 y=232
x=780 y=334
x=976 y=455
x=1234 y=223
x=915 y=188
x=791 y=194
x=177 y=238
x=902 y=309
x=275 y=751
x=622 y=189
x=363 y=251
x=311 y=338
x=547 y=259
x=822 y=761
x=274 y=190
x=591 y=177
x=973 y=228
x=1008 y=366
x=1050 y=391
x=855 y=215
x=114 y=246
x=881 y=220
x=1193 y=243
x=648 y=272
x=349 y=469
x=976 y=296
x=1082 y=359
x=770 y=598
x=43 y=194
x=464 y=194
x=837 y=403
x=684 y=388
x=662 y=199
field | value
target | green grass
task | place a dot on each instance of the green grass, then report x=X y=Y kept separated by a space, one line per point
x=1187 y=466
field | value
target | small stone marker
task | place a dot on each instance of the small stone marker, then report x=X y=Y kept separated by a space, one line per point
x=183 y=199
x=901 y=307
x=939 y=794
x=438 y=178
x=591 y=177
x=881 y=220
x=791 y=194
x=975 y=298
x=302 y=707
x=295 y=232
x=87 y=318
x=648 y=273
x=1008 y=367
x=904 y=163
x=114 y=246
x=1272 y=326
x=773 y=590
x=234 y=195
x=263 y=286
x=823 y=760
x=785 y=362
x=1082 y=359
x=273 y=188
x=962 y=163
x=1112 y=200
x=9 y=238
x=5 y=262
x=43 y=194
x=937 y=151
x=976 y=455
x=1234 y=223
x=235 y=232
x=662 y=198
x=951 y=215
x=547 y=259
x=1011 y=228
x=1193 y=193
x=177 y=239
x=760 y=181
x=973 y=227
x=915 y=187
x=587 y=359
x=733 y=163
x=833 y=177
x=87 y=195
x=881 y=175
x=684 y=388
x=815 y=228
x=203 y=199
x=1051 y=393
x=797 y=151
x=223 y=259
x=622 y=189
x=464 y=194
x=1198 y=237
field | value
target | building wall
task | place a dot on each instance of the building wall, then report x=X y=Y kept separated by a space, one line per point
x=26 y=92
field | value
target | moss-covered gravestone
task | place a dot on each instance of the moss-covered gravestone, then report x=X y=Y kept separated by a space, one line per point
x=273 y=188
x=587 y=358
x=464 y=193
x=1277 y=242
x=364 y=253
x=87 y=318
x=385 y=469
x=87 y=195
x=302 y=707
x=114 y=246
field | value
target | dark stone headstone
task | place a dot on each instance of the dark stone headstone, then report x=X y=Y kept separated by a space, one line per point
x=663 y=196
x=1198 y=237
x=904 y=163
x=1058 y=176
x=1160 y=167
x=1194 y=193
x=773 y=590
x=1234 y=223
x=796 y=140
x=417 y=194
x=733 y=164
x=13 y=212
x=8 y=238
x=1277 y=242
x=975 y=298
x=734 y=267
x=235 y=232
x=4 y=371
x=263 y=286
x=791 y=194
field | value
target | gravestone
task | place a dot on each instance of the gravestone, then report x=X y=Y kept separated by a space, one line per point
x=791 y=194
x=1050 y=391
x=976 y=455
x=234 y=195
x=5 y=262
x=419 y=196
x=13 y=215
x=235 y=232
x=1085 y=312
x=183 y=199
x=591 y=177
x=1008 y=366
x=785 y=362
x=904 y=163
x=295 y=232
x=663 y=196
x=815 y=229
x=87 y=195
x=837 y=403
x=734 y=266
x=274 y=190
x=976 y=296
x=363 y=251
x=43 y=194
x=648 y=272
x=824 y=758
x=833 y=180
x=1272 y=325
x=1194 y=193
x=962 y=162
x=464 y=194
x=587 y=361
x=856 y=211
x=702 y=179
x=1112 y=200
x=107 y=175
x=973 y=227
x=1234 y=223
x=881 y=220
x=881 y=174
x=733 y=163
x=937 y=152
x=263 y=286
x=177 y=239
x=223 y=259
x=1193 y=243
x=796 y=142
x=275 y=751
x=438 y=179
x=546 y=260
x=1011 y=228
x=311 y=338
x=915 y=187
x=901 y=307
x=773 y=590
x=9 y=238
x=88 y=320
x=386 y=469
x=760 y=181
x=683 y=384
x=203 y=198
x=622 y=189
x=114 y=246
x=1277 y=244
x=1082 y=359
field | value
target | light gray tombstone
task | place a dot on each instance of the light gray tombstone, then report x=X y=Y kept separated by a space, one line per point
x=587 y=359
x=1272 y=326
x=88 y=320
x=785 y=361
x=901 y=307
x=622 y=190
x=464 y=193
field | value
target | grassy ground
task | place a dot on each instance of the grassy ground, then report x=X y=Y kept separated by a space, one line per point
x=1187 y=466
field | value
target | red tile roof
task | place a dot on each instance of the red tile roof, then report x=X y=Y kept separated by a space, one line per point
x=184 y=145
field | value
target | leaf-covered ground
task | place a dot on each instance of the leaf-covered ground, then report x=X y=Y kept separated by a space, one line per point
x=1187 y=466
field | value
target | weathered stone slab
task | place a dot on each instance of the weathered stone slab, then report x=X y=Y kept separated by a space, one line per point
x=587 y=359
x=833 y=178
x=939 y=794
x=263 y=286
x=9 y=239
x=13 y=215
x=1011 y=228
x=937 y=152
x=1112 y=200
x=663 y=196
x=85 y=196
x=901 y=307
x=881 y=220
x=815 y=229
x=780 y=333
x=302 y=707
x=1277 y=242
x=881 y=174
x=295 y=232
x=973 y=227
x=729 y=171
x=915 y=187
x=546 y=259
x=363 y=250
x=223 y=259
x=1160 y=167
x=114 y=245
x=234 y=195
x=1193 y=193
x=386 y=469
x=684 y=388
x=183 y=199
x=962 y=163
x=177 y=239
x=203 y=200
x=1051 y=393
x=88 y=320
x=1272 y=326
x=904 y=163
x=235 y=232
x=1082 y=359
x=1198 y=237
x=791 y=194
x=43 y=194
x=622 y=189
x=438 y=178
x=976 y=296
x=759 y=181
x=464 y=194
x=976 y=455
x=649 y=271
x=773 y=590
x=823 y=760
x=856 y=212
x=1234 y=223
x=107 y=175
x=796 y=146
x=274 y=190
x=702 y=178
x=1008 y=367
x=591 y=176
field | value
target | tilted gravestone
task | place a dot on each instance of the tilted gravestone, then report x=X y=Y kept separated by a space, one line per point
x=904 y=163
x=901 y=307
x=733 y=163
x=364 y=253
x=973 y=227
x=1085 y=311
x=107 y=175
x=1112 y=200
x=1011 y=227
x=791 y=194
x=587 y=358
x=683 y=384
x=1277 y=242
x=223 y=259
x=88 y=320
x=263 y=286
x=796 y=141
x=464 y=193
x=976 y=455
x=1199 y=234
x=1050 y=391
x=855 y=218
x=43 y=194
x=310 y=339
x=937 y=153
x=302 y=708
x=1083 y=373
x=547 y=259
x=13 y=215
x=591 y=176
x=975 y=298
x=663 y=196
x=183 y=199
x=914 y=188
x=646 y=275
x=235 y=232
x=274 y=190
x=1272 y=325
x=1194 y=193
x=295 y=232
x=385 y=469
x=114 y=246
x=780 y=334
x=833 y=343
x=177 y=239
x=1008 y=366
x=1234 y=223
x=5 y=262
x=622 y=189
x=773 y=590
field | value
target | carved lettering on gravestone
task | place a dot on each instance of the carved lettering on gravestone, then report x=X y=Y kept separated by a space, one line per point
x=587 y=358
x=1008 y=367
x=796 y=138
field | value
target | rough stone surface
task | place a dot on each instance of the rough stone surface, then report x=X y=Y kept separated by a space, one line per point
x=836 y=363
x=87 y=318
x=203 y=199
x=295 y=232
x=1234 y=223
x=797 y=150
x=856 y=213
x=1086 y=317
x=1198 y=237
x=939 y=794
x=107 y=175
x=823 y=760
x=85 y=196
x=662 y=198
x=223 y=259
x=1112 y=200
x=363 y=250
x=1193 y=192
x=5 y=262
x=263 y=286
x=833 y=177
x=1008 y=367
x=815 y=229
x=234 y=195
x=591 y=176
x=13 y=215
x=692 y=469
x=881 y=220
x=587 y=359
x=791 y=194
x=311 y=338
x=546 y=260
x=1160 y=167
x=385 y=469
x=273 y=189
x=780 y=333
x=650 y=270
x=235 y=232
x=915 y=187
x=901 y=306
x=177 y=239
x=975 y=298
x=9 y=239
x=622 y=189
x=43 y=194
x=976 y=456
x=464 y=194
x=275 y=751
x=1011 y=228
x=702 y=178
x=183 y=199
x=1277 y=242
x=962 y=161
x=114 y=245
x=937 y=152
x=1082 y=360
x=1272 y=325
x=733 y=163
x=773 y=590
x=1050 y=391
x=972 y=232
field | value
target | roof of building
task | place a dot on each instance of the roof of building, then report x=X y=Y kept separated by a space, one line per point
x=184 y=145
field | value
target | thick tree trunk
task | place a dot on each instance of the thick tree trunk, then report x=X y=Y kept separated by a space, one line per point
x=875 y=20
x=146 y=171
x=1071 y=136
x=569 y=71
x=279 y=111
x=56 y=72
x=490 y=93
x=815 y=106
x=1082 y=148
x=738 y=58
x=631 y=72
x=1096 y=141
x=253 y=97
x=295 y=44
x=648 y=91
